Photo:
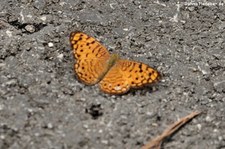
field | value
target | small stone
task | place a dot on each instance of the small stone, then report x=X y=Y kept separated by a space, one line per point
x=1 y=107
x=30 y=28
x=192 y=8
x=100 y=131
x=208 y=119
x=50 y=44
x=105 y=141
x=220 y=138
x=9 y=33
x=2 y=65
x=2 y=137
x=219 y=86
x=82 y=99
x=155 y=124
x=60 y=56
x=50 y=126
x=39 y=4
x=204 y=68
x=11 y=82
x=37 y=134
x=199 y=126
x=43 y=18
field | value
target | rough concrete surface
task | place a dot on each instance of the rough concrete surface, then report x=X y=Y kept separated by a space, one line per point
x=43 y=105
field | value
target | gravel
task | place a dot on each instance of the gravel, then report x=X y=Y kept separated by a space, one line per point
x=43 y=105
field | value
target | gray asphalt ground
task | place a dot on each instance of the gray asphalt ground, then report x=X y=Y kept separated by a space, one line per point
x=43 y=105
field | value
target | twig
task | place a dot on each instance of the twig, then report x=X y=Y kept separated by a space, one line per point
x=156 y=143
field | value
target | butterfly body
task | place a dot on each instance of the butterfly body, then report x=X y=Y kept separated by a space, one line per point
x=94 y=64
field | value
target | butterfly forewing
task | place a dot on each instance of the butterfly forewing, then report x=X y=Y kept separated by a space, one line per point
x=91 y=58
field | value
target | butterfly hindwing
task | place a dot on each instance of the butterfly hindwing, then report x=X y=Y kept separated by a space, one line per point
x=126 y=74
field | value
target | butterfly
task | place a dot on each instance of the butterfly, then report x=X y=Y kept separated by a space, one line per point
x=94 y=64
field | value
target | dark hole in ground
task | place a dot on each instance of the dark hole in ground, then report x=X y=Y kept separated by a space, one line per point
x=95 y=111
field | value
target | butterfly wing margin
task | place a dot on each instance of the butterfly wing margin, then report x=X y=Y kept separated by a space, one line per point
x=91 y=58
x=126 y=74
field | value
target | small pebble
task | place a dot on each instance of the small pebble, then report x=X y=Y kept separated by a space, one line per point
x=43 y=18
x=50 y=126
x=9 y=33
x=199 y=126
x=50 y=44
x=60 y=56
x=30 y=28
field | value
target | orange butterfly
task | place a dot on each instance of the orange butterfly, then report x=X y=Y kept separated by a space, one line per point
x=94 y=64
